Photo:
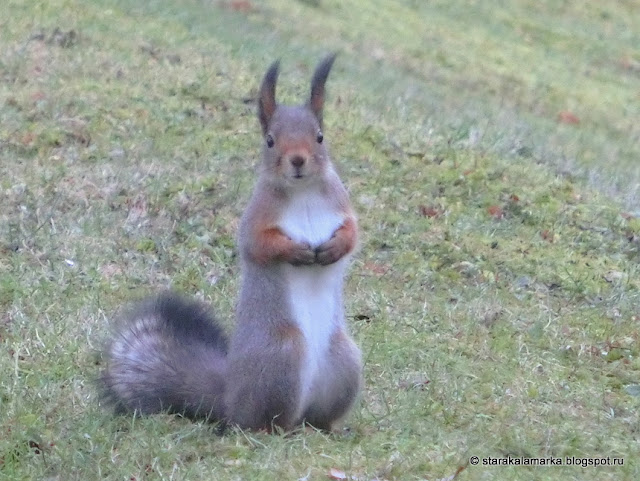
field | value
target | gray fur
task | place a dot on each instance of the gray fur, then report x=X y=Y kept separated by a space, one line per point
x=168 y=354
x=264 y=372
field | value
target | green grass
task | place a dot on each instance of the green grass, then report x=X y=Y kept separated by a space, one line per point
x=496 y=292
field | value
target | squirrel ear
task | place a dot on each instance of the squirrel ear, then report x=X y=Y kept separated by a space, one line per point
x=316 y=101
x=267 y=99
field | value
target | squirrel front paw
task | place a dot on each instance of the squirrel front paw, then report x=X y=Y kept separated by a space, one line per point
x=301 y=255
x=331 y=251
x=341 y=243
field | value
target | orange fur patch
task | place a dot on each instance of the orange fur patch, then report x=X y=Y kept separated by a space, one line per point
x=271 y=244
x=289 y=332
x=348 y=234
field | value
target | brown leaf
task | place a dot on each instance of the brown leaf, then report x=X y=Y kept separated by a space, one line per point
x=454 y=476
x=430 y=211
x=37 y=96
x=547 y=235
x=28 y=138
x=243 y=6
x=137 y=209
x=566 y=117
x=495 y=211
x=378 y=269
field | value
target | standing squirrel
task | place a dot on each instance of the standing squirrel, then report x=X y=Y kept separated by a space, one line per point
x=290 y=359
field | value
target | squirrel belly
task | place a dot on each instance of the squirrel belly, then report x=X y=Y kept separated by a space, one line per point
x=314 y=300
x=314 y=292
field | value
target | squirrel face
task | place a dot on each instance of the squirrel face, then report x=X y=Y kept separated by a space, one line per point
x=294 y=149
x=294 y=152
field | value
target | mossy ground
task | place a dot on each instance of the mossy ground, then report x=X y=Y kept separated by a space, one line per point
x=495 y=295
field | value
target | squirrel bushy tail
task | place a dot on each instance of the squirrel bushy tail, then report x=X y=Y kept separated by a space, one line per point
x=166 y=354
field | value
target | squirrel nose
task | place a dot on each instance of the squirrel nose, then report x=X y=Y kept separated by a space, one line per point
x=297 y=161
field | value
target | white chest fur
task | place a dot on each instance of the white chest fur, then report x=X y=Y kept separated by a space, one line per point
x=315 y=292
x=310 y=218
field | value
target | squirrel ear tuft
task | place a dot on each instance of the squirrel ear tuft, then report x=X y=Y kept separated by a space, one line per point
x=267 y=98
x=316 y=101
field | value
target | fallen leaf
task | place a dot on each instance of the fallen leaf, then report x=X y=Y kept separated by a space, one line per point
x=495 y=211
x=137 y=209
x=430 y=211
x=37 y=96
x=376 y=268
x=28 y=138
x=243 y=6
x=454 y=476
x=566 y=117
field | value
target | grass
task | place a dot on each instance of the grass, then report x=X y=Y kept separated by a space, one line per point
x=496 y=293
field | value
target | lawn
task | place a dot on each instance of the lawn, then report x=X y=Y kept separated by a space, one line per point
x=491 y=152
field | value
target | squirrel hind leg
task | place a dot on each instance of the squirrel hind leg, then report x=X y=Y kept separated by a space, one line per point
x=340 y=389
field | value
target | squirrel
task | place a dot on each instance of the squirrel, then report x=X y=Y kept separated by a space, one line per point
x=290 y=359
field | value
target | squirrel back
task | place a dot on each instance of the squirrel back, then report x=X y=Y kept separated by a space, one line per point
x=290 y=359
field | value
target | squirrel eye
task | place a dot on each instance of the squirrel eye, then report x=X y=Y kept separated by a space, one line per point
x=270 y=141
x=320 y=137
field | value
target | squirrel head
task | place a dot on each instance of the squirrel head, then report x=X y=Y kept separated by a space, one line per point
x=294 y=152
